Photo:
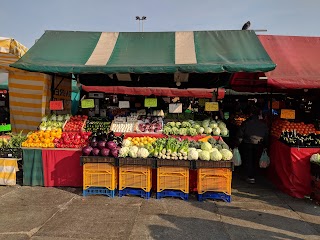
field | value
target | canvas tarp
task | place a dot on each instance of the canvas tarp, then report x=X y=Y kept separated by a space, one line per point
x=146 y=52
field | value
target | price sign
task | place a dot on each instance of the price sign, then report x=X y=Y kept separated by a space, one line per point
x=288 y=114
x=211 y=106
x=87 y=103
x=56 y=105
x=124 y=104
x=202 y=101
x=226 y=115
x=150 y=102
x=175 y=108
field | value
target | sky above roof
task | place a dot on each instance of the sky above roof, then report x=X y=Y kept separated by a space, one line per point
x=26 y=21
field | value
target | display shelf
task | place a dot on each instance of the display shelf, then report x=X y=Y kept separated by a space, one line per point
x=98 y=159
x=173 y=178
x=99 y=191
x=213 y=164
x=173 y=163
x=214 y=196
x=172 y=193
x=135 y=192
x=151 y=162
x=138 y=177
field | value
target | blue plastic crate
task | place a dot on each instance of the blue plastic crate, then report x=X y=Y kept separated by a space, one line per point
x=172 y=193
x=214 y=195
x=99 y=191
x=134 y=191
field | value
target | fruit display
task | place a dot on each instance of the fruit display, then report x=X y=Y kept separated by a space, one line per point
x=97 y=125
x=150 y=125
x=103 y=145
x=122 y=127
x=75 y=123
x=53 y=122
x=176 y=149
x=72 y=140
x=280 y=126
x=42 y=139
x=193 y=128
x=293 y=138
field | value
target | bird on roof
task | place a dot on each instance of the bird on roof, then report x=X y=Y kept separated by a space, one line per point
x=246 y=26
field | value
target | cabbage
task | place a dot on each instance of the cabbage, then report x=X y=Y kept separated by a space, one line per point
x=196 y=126
x=200 y=130
x=224 y=132
x=206 y=146
x=216 y=131
x=205 y=123
x=183 y=131
x=143 y=153
x=133 y=151
x=226 y=154
x=178 y=124
x=167 y=130
x=199 y=150
x=215 y=155
x=192 y=132
x=213 y=125
x=315 y=158
x=207 y=130
x=204 y=155
x=175 y=131
x=193 y=154
x=185 y=124
x=222 y=125
x=126 y=143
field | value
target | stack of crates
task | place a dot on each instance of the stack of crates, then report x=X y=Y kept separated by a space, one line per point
x=99 y=179
x=215 y=182
x=135 y=180
x=173 y=182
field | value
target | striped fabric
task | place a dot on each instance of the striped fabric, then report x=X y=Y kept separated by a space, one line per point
x=8 y=169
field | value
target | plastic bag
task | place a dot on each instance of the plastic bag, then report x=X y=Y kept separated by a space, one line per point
x=236 y=157
x=264 y=160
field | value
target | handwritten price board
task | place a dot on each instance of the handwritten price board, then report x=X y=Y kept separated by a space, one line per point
x=56 y=105
x=150 y=102
x=288 y=114
x=211 y=106
x=124 y=104
x=175 y=108
x=87 y=103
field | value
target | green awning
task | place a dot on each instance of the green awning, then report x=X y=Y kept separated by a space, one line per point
x=146 y=52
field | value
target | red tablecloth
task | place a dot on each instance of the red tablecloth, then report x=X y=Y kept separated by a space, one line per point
x=62 y=168
x=290 y=168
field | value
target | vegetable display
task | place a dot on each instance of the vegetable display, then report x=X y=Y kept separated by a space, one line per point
x=193 y=128
x=293 y=138
x=97 y=125
x=75 y=123
x=150 y=124
x=53 y=122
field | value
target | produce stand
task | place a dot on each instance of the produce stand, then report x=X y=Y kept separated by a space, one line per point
x=289 y=168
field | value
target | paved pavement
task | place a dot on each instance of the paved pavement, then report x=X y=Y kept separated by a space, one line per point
x=256 y=212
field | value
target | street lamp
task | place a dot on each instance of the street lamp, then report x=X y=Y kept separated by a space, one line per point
x=141 y=19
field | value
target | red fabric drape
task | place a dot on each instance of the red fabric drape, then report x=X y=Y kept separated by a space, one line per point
x=290 y=168
x=62 y=168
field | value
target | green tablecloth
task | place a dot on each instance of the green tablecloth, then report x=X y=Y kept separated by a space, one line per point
x=32 y=167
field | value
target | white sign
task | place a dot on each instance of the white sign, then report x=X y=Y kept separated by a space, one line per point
x=175 y=108
x=124 y=104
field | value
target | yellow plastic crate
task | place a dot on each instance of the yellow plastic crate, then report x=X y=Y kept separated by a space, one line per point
x=173 y=178
x=214 y=180
x=135 y=177
x=100 y=175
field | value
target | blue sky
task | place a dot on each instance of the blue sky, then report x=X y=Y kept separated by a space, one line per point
x=26 y=20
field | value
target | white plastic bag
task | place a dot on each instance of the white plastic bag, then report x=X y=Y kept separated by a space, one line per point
x=236 y=157
x=264 y=160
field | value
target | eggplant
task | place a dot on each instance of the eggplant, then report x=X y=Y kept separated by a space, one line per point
x=110 y=136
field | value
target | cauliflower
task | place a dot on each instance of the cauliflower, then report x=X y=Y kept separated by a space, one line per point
x=123 y=152
x=193 y=154
x=204 y=155
x=216 y=131
x=206 y=146
x=126 y=143
x=200 y=130
x=143 y=153
x=133 y=151
x=226 y=154
x=215 y=155
x=207 y=130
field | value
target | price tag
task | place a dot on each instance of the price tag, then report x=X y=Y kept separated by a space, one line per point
x=175 y=108
x=124 y=104
x=211 y=106
x=288 y=114
x=226 y=115
x=56 y=105
x=150 y=102
x=202 y=101
x=87 y=103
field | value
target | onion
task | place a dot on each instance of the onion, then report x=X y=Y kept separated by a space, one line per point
x=114 y=152
x=101 y=144
x=86 y=150
x=95 y=151
x=111 y=145
x=105 y=152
